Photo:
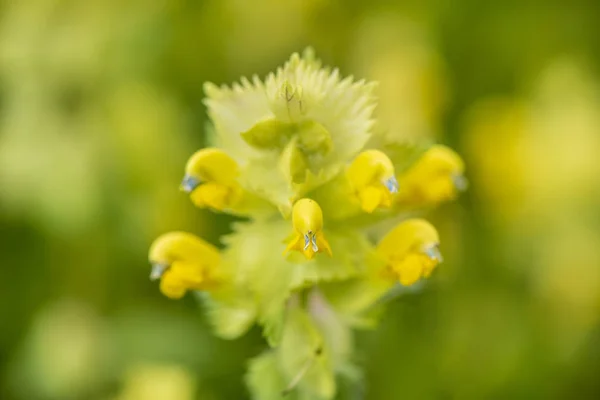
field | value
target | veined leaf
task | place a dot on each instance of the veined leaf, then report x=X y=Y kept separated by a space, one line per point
x=230 y=313
x=356 y=299
x=349 y=249
x=265 y=379
x=256 y=250
x=305 y=357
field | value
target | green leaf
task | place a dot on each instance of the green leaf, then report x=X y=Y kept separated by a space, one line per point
x=349 y=248
x=273 y=322
x=305 y=357
x=313 y=138
x=336 y=333
x=357 y=299
x=209 y=134
x=262 y=177
x=404 y=155
x=230 y=313
x=265 y=380
x=268 y=134
x=255 y=254
x=292 y=163
x=256 y=251
x=351 y=384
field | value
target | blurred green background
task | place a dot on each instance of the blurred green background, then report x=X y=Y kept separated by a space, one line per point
x=101 y=104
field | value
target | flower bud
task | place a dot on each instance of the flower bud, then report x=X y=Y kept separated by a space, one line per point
x=268 y=134
x=292 y=163
x=314 y=138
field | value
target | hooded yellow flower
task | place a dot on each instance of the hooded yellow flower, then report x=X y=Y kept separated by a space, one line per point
x=183 y=262
x=296 y=154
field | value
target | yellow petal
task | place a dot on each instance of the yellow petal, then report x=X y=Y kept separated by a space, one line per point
x=212 y=165
x=171 y=286
x=410 y=250
x=213 y=195
x=186 y=263
x=307 y=216
x=370 y=198
x=406 y=237
x=211 y=180
x=307 y=220
x=436 y=177
x=413 y=267
x=178 y=246
x=323 y=244
x=296 y=242
x=189 y=273
x=371 y=175
x=369 y=167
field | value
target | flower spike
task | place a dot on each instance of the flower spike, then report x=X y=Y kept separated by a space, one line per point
x=410 y=251
x=183 y=262
x=292 y=153
x=371 y=175
x=308 y=238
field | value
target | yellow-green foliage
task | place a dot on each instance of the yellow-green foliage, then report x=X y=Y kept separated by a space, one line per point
x=292 y=155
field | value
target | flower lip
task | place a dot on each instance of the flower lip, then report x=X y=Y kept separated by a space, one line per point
x=158 y=269
x=189 y=183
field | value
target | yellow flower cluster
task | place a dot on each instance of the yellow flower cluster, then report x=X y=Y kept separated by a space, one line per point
x=298 y=155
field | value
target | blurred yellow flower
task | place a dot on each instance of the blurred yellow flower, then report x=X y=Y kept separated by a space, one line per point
x=158 y=382
x=499 y=127
x=394 y=49
x=65 y=353
x=436 y=177
x=410 y=251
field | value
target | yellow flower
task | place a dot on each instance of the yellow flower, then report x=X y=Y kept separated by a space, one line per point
x=150 y=381
x=371 y=176
x=183 y=262
x=410 y=251
x=210 y=179
x=436 y=177
x=293 y=147
x=308 y=238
